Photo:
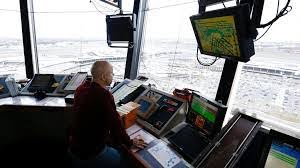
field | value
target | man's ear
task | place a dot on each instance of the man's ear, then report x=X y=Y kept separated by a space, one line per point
x=103 y=77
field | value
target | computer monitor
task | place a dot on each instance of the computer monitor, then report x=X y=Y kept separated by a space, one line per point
x=284 y=151
x=119 y=29
x=225 y=33
x=205 y=115
x=42 y=82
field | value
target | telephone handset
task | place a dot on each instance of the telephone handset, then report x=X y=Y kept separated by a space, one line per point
x=12 y=86
x=8 y=87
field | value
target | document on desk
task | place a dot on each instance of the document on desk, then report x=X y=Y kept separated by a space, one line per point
x=133 y=129
x=127 y=108
x=164 y=155
x=148 y=138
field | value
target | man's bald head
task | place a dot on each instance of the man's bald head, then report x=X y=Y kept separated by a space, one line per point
x=102 y=71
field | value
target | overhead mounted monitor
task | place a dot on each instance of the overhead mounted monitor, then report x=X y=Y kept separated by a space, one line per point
x=225 y=33
x=119 y=30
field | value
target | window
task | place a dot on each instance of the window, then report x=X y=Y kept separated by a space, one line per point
x=269 y=84
x=11 y=44
x=71 y=35
x=169 y=54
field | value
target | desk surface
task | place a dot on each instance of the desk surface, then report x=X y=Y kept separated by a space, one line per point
x=158 y=153
x=31 y=101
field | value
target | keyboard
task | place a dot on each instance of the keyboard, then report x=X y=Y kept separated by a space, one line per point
x=133 y=95
x=76 y=81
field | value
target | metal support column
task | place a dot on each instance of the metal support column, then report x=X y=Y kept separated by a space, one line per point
x=133 y=54
x=226 y=81
x=26 y=39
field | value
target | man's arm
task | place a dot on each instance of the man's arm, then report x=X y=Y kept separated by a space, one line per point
x=114 y=122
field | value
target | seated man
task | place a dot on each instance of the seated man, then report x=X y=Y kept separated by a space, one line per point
x=95 y=120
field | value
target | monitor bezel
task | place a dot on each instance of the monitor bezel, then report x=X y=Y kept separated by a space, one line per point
x=241 y=20
x=130 y=28
x=219 y=117
x=277 y=136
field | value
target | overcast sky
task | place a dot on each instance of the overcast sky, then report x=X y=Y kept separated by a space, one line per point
x=163 y=22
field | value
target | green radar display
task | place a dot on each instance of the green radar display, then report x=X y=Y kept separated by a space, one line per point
x=218 y=35
x=225 y=33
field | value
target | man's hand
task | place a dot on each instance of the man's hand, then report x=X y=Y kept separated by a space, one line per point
x=139 y=143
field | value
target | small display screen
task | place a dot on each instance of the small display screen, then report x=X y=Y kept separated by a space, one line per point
x=166 y=109
x=144 y=105
x=225 y=32
x=283 y=155
x=218 y=35
x=202 y=114
x=41 y=80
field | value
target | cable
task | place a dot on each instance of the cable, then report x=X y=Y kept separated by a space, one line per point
x=205 y=64
x=110 y=9
x=149 y=72
x=269 y=26
x=102 y=12
x=68 y=12
x=103 y=6
x=263 y=34
x=96 y=7
x=283 y=12
x=9 y=10
x=179 y=4
x=172 y=66
x=223 y=4
x=277 y=7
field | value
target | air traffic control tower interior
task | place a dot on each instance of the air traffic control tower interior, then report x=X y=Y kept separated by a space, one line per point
x=204 y=83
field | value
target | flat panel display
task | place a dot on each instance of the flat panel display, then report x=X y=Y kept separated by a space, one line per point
x=225 y=33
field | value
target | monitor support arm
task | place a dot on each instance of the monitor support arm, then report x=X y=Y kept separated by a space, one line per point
x=202 y=6
x=112 y=3
x=256 y=7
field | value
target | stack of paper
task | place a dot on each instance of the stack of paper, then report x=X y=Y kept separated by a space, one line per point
x=127 y=108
